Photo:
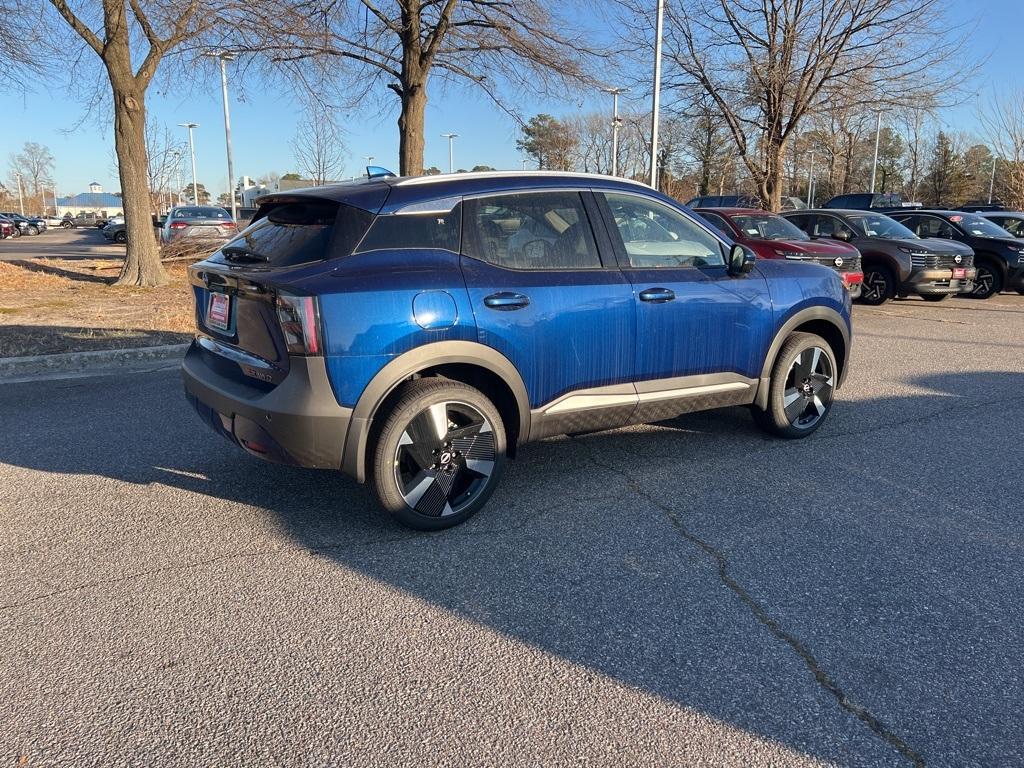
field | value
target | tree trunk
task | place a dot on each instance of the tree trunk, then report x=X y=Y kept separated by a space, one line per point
x=142 y=261
x=771 y=183
x=410 y=130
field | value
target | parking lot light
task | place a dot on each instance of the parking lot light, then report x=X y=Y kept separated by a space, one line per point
x=192 y=150
x=225 y=56
x=615 y=126
x=656 y=94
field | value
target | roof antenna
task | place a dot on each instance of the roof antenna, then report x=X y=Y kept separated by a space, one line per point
x=379 y=172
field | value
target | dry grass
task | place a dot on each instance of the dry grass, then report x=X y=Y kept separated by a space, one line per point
x=56 y=305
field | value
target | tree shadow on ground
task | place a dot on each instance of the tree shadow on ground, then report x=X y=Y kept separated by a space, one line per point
x=27 y=340
x=759 y=581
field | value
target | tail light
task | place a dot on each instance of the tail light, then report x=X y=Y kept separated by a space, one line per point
x=229 y=226
x=179 y=224
x=299 y=317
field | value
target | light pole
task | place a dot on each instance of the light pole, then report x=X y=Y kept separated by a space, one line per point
x=21 y=197
x=177 y=172
x=451 y=137
x=878 y=133
x=810 y=183
x=615 y=126
x=992 y=179
x=192 y=150
x=656 y=96
x=223 y=57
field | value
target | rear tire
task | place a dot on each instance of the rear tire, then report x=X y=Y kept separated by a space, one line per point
x=429 y=481
x=16 y=232
x=989 y=281
x=801 y=388
x=879 y=285
x=66 y=224
x=935 y=297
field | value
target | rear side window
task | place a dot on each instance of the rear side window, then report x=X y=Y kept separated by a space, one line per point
x=298 y=232
x=414 y=230
x=531 y=230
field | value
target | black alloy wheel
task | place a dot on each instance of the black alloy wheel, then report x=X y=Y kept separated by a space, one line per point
x=439 y=454
x=878 y=286
x=989 y=281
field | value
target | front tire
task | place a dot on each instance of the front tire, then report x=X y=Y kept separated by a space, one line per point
x=66 y=224
x=439 y=455
x=121 y=237
x=801 y=388
x=879 y=285
x=16 y=232
x=989 y=281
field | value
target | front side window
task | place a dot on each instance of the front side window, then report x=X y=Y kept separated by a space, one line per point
x=717 y=222
x=767 y=226
x=829 y=226
x=530 y=230
x=657 y=236
x=929 y=226
x=1014 y=226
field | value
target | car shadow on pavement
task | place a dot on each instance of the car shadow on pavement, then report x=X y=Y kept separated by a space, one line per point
x=854 y=596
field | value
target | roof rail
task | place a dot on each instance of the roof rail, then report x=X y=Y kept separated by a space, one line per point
x=416 y=180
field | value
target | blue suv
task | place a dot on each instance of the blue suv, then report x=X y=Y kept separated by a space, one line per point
x=415 y=332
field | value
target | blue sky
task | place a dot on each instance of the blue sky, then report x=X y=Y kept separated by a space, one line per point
x=263 y=125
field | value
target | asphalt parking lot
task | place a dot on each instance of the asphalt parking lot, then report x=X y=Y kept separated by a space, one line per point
x=59 y=243
x=689 y=593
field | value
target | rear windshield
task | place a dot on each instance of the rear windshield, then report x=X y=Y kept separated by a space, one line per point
x=285 y=234
x=200 y=212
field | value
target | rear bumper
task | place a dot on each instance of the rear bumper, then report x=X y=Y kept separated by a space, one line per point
x=297 y=422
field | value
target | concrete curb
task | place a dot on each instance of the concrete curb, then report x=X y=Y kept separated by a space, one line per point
x=70 y=364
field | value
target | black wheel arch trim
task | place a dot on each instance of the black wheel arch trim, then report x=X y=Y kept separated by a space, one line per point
x=810 y=314
x=990 y=258
x=415 y=361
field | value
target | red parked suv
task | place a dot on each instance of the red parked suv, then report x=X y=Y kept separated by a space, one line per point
x=773 y=237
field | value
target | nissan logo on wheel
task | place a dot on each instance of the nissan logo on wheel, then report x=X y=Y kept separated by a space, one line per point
x=958 y=258
x=839 y=261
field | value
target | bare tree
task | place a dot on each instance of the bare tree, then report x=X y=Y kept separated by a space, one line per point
x=401 y=44
x=1003 y=120
x=21 y=38
x=317 y=147
x=163 y=153
x=769 y=64
x=35 y=166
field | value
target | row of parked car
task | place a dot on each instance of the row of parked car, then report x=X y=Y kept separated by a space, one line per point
x=888 y=251
x=13 y=224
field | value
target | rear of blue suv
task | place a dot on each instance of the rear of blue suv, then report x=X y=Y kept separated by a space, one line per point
x=416 y=332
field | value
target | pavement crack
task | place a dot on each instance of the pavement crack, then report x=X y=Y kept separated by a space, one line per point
x=765 y=619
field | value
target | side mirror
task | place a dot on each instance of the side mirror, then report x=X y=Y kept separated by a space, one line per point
x=843 y=235
x=741 y=260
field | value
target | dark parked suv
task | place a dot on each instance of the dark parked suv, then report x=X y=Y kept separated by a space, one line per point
x=414 y=332
x=870 y=201
x=998 y=255
x=895 y=261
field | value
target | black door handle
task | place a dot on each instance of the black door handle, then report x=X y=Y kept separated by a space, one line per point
x=505 y=301
x=657 y=295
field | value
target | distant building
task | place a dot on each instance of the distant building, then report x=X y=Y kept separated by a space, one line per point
x=103 y=204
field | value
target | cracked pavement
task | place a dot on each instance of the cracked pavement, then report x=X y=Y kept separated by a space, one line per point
x=689 y=593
